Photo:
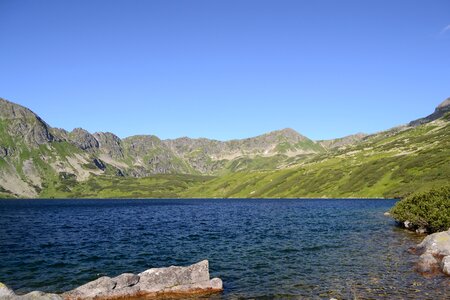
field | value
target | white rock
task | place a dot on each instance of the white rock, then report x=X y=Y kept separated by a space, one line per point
x=437 y=244
x=156 y=281
x=407 y=224
x=5 y=291
x=445 y=264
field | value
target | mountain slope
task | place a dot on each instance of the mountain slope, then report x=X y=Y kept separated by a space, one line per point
x=392 y=163
x=439 y=112
x=38 y=160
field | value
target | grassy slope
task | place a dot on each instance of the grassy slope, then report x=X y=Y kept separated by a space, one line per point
x=156 y=186
x=386 y=165
x=389 y=164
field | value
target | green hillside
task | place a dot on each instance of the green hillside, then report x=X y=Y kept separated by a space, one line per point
x=390 y=164
x=38 y=161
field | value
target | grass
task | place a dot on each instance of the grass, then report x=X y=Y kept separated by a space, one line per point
x=156 y=186
x=383 y=166
x=391 y=164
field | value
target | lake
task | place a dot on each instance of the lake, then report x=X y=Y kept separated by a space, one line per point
x=314 y=249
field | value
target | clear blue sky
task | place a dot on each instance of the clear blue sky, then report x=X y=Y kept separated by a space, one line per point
x=226 y=69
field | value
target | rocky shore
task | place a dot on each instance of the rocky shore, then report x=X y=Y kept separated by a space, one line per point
x=171 y=281
x=434 y=253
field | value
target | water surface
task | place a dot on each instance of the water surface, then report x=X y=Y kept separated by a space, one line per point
x=314 y=249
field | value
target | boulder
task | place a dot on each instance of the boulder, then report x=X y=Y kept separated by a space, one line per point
x=36 y=295
x=100 y=286
x=8 y=294
x=437 y=244
x=445 y=265
x=427 y=264
x=435 y=253
x=421 y=230
x=172 y=280
x=126 y=280
x=5 y=291
x=407 y=224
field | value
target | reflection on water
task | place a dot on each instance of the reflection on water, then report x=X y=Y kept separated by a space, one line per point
x=315 y=249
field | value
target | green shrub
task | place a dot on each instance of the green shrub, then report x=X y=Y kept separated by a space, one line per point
x=430 y=209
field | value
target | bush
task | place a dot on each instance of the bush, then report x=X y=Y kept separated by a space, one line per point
x=430 y=209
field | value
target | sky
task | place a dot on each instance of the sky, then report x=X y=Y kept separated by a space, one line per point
x=226 y=69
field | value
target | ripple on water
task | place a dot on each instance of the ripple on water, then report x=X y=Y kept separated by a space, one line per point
x=266 y=249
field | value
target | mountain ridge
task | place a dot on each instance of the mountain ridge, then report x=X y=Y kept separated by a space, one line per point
x=36 y=158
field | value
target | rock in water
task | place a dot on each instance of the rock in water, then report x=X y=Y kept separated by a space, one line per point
x=435 y=250
x=5 y=291
x=437 y=244
x=427 y=264
x=8 y=294
x=173 y=280
x=39 y=296
x=445 y=264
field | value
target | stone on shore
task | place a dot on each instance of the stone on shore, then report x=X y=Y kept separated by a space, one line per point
x=36 y=295
x=445 y=264
x=435 y=253
x=171 y=281
x=427 y=264
x=5 y=291
x=8 y=294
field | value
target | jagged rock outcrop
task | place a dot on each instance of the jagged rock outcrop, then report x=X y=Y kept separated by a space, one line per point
x=151 y=156
x=110 y=144
x=23 y=124
x=83 y=139
x=171 y=281
x=435 y=253
x=439 y=112
x=60 y=134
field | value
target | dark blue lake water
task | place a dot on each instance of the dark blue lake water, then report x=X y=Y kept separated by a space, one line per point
x=260 y=248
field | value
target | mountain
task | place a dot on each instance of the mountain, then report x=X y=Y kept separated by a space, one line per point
x=392 y=163
x=439 y=112
x=342 y=142
x=37 y=160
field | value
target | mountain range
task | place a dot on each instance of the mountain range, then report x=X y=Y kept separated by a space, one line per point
x=37 y=160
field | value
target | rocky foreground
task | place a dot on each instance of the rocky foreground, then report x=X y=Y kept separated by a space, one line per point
x=172 y=281
x=435 y=254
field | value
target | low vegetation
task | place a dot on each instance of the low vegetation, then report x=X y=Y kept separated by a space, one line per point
x=392 y=164
x=280 y=164
x=155 y=186
x=430 y=209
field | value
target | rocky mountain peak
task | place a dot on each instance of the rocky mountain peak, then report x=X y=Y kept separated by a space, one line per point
x=110 y=143
x=10 y=110
x=439 y=112
x=288 y=133
x=21 y=122
x=444 y=106
x=83 y=139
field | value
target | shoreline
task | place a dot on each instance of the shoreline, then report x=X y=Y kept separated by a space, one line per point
x=196 y=198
